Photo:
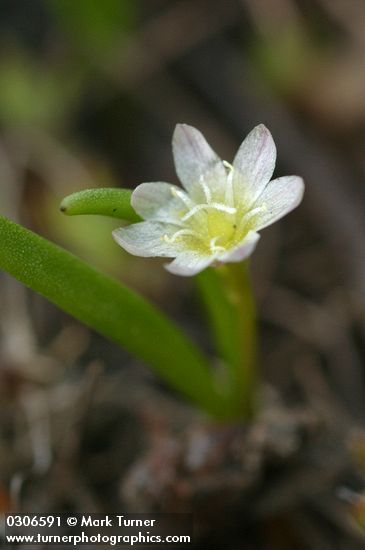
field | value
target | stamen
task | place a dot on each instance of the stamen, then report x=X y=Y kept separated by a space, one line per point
x=170 y=220
x=213 y=205
x=207 y=193
x=180 y=233
x=218 y=249
x=228 y=166
x=255 y=211
x=229 y=196
x=215 y=248
x=250 y=214
x=178 y=193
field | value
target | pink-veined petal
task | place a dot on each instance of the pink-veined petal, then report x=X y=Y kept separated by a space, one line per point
x=189 y=263
x=253 y=165
x=155 y=201
x=278 y=198
x=198 y=167
x=241 y=251
x=147 y=239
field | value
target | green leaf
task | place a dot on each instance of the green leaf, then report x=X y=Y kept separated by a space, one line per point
x=112 y=202
x=111 y=309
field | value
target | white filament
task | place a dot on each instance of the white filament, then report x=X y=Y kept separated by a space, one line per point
x=178 y=193
x=214 y=205
x=250 y=214
x=215 y=248
x=180 y=233
x=207 y=193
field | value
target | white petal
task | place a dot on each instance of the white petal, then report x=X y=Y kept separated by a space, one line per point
x=189 y=263
x=242 y=250
x=155 y=201
x=147 y=239
x=194 y=160
x=253 y=165
x=280 y=197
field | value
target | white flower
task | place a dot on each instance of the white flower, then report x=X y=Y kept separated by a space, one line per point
x=215 y=218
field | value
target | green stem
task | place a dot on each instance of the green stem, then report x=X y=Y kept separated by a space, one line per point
x=221 y=315
x=236 y=333
x=113 y=310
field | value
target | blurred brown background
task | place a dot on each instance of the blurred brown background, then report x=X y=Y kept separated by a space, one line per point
x=90 y=92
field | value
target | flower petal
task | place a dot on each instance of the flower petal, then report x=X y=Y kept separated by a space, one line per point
x=147 y=239
x=197 y=164
x=189 y=263
x=253 y=165
x=242 y=250
x=155 y=201
x=280 y=197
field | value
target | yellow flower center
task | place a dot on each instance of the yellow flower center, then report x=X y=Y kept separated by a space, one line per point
x=210 y=227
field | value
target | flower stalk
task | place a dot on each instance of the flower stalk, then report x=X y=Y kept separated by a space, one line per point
x=243 y=369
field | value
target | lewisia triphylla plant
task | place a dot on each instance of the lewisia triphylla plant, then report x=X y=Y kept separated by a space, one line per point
x=217 y=214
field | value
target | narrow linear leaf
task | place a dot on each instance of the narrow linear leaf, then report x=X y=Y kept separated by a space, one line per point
x=111 y=309
x=112 y=202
